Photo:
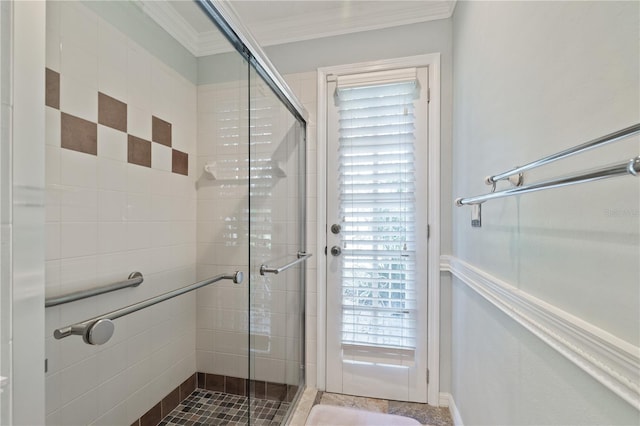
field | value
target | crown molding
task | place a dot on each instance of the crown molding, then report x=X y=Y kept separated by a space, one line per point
x=197 y=43
x=293 y=28
x=211 y=43
x=324 y=24
x=610 y=360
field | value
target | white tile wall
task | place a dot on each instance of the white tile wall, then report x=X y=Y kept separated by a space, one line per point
x=79 y=65
x=78 y=26
x=112 y=61
x=78 y=169
x=162 y=93
x=112 y=175
x=138 y=122
x=161 y=157
x=139 y=72
x=112 y=143
x=106 y=218
x=52 y=124
x=78 y=98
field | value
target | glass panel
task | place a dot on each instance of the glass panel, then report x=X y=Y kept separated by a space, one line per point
x=133 y=116
x=5 y=217
x=277 y=191
x=149 y=168
x=223 y=233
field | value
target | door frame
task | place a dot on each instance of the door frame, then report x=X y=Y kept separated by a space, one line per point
x=432 y=61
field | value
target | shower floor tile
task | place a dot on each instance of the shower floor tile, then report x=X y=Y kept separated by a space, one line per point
x=205 y=407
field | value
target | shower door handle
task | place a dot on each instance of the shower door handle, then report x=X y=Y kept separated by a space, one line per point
x=301 y=257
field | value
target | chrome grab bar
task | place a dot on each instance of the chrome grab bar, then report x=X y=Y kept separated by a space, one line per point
x=631 y=167
x=98 y=330
x=134 y=280
x=302 y=256
x=611 y=137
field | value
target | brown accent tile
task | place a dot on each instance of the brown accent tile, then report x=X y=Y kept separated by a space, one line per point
x=235 y=385
x=214 y=382
x=202 y=379
x=170 y=401
x=139 y=151
x=258 y=389
x=291 y=392
x=188 y=386
x=52 y=89
x=276 y=391
x=180 y=162
x=78 y=134
x=152 y=417
x=112 y=112
x=160 y=131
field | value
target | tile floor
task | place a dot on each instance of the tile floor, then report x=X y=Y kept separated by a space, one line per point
x=205 y=407
x=424 y=413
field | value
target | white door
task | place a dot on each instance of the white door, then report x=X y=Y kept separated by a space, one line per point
x=377 y=234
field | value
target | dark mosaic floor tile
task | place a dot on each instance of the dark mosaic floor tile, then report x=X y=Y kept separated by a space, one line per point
x=205 y=407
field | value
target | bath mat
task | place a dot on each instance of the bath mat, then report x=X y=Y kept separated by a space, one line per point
x=331 y=415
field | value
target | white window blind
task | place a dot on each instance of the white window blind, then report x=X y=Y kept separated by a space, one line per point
x=378 y=207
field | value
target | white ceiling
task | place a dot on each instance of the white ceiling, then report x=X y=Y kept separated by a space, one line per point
x=277 y=21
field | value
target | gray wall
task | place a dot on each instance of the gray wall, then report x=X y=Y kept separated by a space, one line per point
x=396 y=42
x=532 y=78
x=406 y=40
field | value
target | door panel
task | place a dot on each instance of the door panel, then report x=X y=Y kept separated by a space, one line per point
x=376 y=236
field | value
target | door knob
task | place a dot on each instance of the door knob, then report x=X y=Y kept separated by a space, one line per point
x=335 y=228
x=336 y=251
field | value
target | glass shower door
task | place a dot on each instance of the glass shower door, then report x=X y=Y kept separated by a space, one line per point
x=146 y=170
x=276 y=240
x=182 y=165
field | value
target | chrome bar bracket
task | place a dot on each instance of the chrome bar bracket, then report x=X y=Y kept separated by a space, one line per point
x=516 y=180
x=634 y=166
x=237 y=277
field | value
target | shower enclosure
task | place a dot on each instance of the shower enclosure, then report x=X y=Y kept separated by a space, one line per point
x=173 y=149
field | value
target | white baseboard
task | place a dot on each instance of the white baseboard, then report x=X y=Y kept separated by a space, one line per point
x=443 y=401
x=610 y=360
x=446 y=400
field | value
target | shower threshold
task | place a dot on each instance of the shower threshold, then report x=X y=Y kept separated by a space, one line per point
x=205 y=407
